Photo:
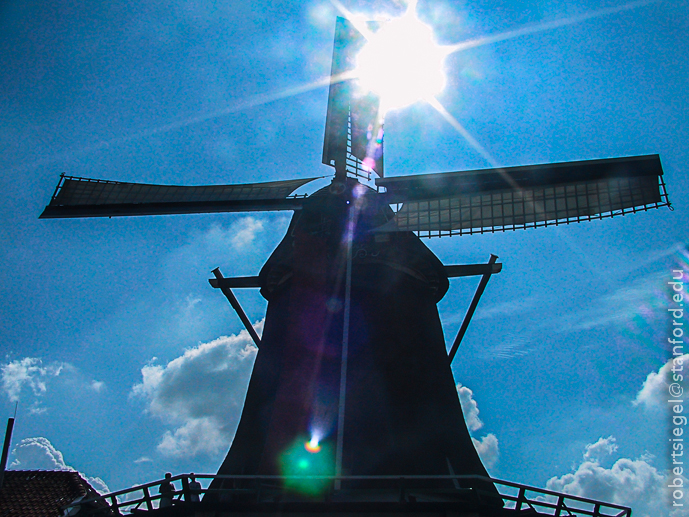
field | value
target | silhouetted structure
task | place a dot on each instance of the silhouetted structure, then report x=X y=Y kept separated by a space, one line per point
x=40 y=493
x=352 y=376
x=167 y=491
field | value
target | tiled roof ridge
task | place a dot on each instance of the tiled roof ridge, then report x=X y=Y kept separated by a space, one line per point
x=75 y=474
x=42 y=493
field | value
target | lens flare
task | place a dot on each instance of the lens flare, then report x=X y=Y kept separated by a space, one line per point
x=402 y=63
x=312 y=445
x=301 y=467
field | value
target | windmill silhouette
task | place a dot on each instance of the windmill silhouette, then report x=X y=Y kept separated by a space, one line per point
x=352 y=365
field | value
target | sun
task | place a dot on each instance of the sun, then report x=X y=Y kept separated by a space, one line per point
x=402 y=63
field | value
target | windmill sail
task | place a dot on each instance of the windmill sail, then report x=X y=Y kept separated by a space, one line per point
x=455 y=203
x=353 y=132
x=83 y=197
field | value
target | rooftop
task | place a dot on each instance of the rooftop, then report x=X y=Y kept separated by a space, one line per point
x=41 y=493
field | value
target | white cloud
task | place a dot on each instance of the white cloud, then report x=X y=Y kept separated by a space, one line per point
x=197 y=435
x=28 y=373
x=514 y=345
x=211 y=245
x=244 y=231
x=634 y=483
x=202 y=392
x=501 y=309
x=469 y=408
x=602 y=448
x=36 y=409
x=655 y=391
x=39 y=454
x=98 y=484
x=97 y=386
x=486 y=446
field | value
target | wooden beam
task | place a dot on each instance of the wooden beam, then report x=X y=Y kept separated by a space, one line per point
x=238 y=308
x=472 y=269
x=472 y=308
x=237 y=281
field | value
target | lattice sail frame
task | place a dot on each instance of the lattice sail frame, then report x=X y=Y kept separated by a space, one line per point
x=353 y=129
x=530 y=207
x=85 y=197
x=354 y=166
x=74 y=191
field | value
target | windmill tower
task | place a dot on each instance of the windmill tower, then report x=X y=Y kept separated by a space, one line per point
x=352 y=378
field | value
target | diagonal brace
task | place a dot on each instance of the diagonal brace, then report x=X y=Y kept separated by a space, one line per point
x=472 y=309
x=235 y=305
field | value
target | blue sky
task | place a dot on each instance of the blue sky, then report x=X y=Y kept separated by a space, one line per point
x=111 y=336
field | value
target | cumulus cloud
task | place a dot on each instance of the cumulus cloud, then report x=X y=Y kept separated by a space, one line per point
x=197 y=435
x=28 y=373
x=628 y=482
x=39 y=454
x=600 y=449
x=486 y=446
x=211 y=245
x=654 y=392
x=245 y=230
x=469 y=408
x=201 y=392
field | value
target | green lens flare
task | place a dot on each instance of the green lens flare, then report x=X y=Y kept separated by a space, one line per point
x=300 y=460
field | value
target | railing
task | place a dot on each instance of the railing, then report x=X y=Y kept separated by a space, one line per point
x=264 y=489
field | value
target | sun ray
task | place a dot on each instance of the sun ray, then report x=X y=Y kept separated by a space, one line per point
x=537 y=207
x=462 y=131
x=486 y=40
x=360 y=24
x=541 y=27
x=250 y=102
x=359 y=21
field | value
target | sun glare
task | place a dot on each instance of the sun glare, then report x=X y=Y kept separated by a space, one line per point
x=312 y=445
x=402 y=63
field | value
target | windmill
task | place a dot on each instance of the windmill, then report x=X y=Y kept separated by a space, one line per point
x=352 y=365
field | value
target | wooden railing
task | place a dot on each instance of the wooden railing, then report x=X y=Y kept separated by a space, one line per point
x=263 y=489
